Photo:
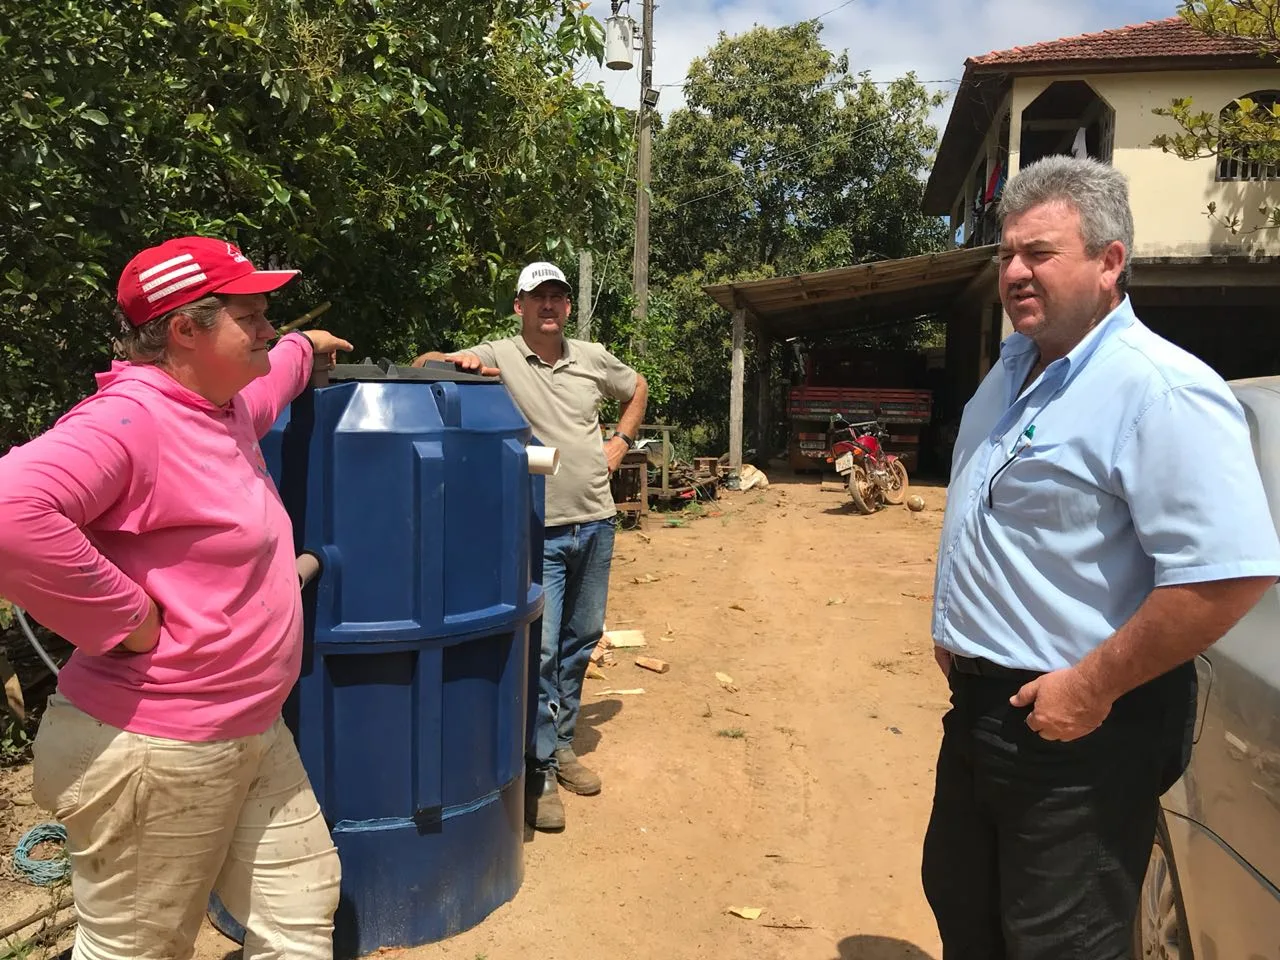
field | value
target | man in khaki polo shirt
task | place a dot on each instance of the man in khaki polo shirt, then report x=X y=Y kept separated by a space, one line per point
x=558 y=384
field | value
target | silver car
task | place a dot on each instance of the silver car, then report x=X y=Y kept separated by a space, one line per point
x=1212 y=889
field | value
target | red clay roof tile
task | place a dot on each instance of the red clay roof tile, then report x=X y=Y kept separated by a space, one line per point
x=1155 y=39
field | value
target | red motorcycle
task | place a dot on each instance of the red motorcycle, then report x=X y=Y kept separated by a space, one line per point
x=873 y=476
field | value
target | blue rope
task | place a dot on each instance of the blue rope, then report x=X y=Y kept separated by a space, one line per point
x=43 y=873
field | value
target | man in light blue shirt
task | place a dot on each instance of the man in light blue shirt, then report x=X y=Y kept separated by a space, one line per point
x=1089 y=551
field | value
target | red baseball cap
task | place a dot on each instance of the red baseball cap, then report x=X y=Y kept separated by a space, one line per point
x=185 y=270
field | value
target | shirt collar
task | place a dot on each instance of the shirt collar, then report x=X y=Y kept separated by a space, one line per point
x=1017 y=346
x=566 y=353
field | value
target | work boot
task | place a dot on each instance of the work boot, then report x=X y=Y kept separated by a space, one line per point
x=574 y=775
x=543 y=809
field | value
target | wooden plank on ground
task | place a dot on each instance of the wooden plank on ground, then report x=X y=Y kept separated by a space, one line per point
x=620 y=639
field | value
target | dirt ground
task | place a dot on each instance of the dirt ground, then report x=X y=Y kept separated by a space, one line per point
x=803 y=792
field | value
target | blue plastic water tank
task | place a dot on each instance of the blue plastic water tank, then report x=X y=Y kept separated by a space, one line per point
x=412 y=487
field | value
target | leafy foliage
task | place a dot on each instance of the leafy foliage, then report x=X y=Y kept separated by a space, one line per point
x=1247 y=128
x=782 y=161
x=14 y=737
x=410 y=158
x=1255 y=21
x=15 y=740
x=407 y=157
x=24 y=684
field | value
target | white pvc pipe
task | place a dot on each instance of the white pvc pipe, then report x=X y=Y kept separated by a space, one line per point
x=544 y=460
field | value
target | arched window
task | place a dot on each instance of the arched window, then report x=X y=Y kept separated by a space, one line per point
x=1237 y=161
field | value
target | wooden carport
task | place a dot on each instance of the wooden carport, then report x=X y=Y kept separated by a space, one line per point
x=869 y=296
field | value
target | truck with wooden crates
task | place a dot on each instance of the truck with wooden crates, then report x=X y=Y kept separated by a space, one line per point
x=860 y=385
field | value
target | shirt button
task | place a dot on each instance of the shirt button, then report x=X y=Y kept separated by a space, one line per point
x=951 y=549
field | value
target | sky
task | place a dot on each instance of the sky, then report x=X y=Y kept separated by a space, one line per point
x=886 y=37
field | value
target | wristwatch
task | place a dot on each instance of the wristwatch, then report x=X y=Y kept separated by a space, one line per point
x=625 y=439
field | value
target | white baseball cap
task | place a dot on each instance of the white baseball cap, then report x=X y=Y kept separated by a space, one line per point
x=539 y=273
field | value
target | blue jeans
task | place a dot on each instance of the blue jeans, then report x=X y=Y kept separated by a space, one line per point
x=575 y=583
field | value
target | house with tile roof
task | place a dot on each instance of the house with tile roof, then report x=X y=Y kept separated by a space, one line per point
x=1096 y=94
x=1211 y=289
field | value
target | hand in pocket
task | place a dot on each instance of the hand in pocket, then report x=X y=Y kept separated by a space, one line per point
x=146 y=634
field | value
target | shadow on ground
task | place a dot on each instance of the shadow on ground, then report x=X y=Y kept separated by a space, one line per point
x=590 y=718
x=864 y=947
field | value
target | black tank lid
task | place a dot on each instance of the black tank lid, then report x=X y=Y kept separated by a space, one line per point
x=432 y=371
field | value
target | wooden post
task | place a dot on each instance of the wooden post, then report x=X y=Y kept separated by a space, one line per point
x=644 y=148
x=735 y=392
x=764 y=404
x=584 y=294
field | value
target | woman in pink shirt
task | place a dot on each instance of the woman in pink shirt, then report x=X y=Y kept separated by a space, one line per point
x=144 y=528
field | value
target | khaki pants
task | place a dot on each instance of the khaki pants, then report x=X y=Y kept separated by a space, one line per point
x=155 y=825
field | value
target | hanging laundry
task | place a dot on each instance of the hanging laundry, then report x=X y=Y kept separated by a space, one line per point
x=995 y=183
x=1079 y=149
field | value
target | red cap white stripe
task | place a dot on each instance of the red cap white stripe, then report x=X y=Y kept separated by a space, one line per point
x=181 y=271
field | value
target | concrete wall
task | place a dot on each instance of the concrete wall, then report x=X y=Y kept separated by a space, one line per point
x=1171 y=196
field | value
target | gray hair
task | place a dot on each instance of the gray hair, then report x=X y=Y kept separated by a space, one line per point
x=149 y=343
x=1098 y=191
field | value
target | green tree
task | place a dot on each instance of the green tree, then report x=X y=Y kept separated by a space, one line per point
x=782 y=161
x=407 y=157
x=1247 y=128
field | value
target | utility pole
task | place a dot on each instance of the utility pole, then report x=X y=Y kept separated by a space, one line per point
x=648 y=101
x=584 y=294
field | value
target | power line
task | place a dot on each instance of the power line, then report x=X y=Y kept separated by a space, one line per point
x=828 y=13
x=617 y=87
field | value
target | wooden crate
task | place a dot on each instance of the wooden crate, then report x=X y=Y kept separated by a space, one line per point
x=706 y=467
x=630 y=485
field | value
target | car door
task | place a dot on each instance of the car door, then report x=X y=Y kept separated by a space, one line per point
x=1224 y=818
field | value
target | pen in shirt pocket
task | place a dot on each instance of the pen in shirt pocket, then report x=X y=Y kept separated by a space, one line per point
x=1024 y=440
x=1022 y=443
